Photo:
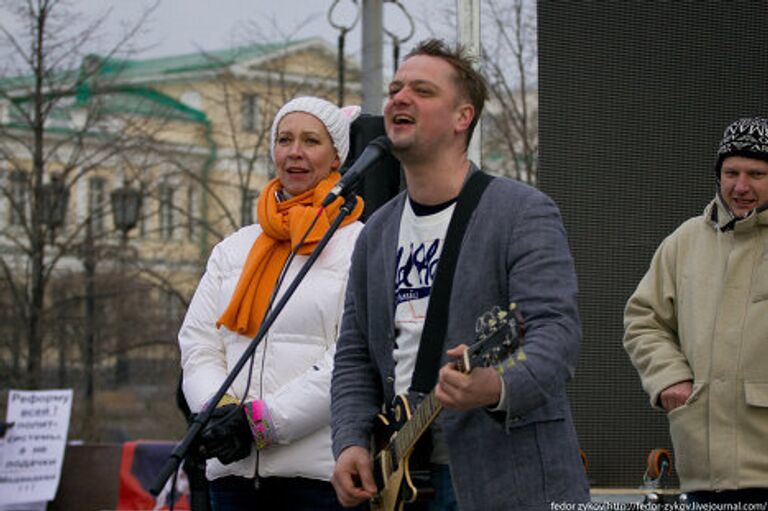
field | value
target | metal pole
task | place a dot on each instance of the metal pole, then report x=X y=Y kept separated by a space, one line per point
x=121 y=366
x=372 y=64
x=468 y=24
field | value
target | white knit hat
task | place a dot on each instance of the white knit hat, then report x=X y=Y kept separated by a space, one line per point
x=336 y=120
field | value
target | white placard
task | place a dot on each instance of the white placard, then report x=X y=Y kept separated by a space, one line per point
x=32 y=452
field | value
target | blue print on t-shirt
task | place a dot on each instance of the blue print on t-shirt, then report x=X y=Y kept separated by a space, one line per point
x=416 y=271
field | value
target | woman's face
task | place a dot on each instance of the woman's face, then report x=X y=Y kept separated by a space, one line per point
x=304 y=152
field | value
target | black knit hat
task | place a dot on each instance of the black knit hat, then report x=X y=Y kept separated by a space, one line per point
x=746 y=137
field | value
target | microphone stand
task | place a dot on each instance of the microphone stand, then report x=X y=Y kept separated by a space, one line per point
x=202 y=418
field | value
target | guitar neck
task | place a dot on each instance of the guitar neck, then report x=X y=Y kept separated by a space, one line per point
x=424 y=415
x=498 y=338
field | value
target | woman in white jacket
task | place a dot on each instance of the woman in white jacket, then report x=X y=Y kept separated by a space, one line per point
x=268 y=441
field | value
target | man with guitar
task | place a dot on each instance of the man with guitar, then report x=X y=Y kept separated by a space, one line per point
x=505 y=438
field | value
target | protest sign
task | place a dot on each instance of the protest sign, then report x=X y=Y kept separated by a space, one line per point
x=32 y=451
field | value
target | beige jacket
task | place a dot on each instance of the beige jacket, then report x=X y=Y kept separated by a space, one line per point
x=701 y=313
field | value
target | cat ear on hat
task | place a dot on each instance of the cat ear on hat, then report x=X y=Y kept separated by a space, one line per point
x=351 y=112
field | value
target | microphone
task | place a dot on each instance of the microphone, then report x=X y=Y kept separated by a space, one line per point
x=373 y=152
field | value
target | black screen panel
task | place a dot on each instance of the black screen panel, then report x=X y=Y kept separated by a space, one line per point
x=633 y=99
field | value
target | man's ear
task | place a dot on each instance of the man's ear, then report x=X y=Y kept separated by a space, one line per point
x=465 y=115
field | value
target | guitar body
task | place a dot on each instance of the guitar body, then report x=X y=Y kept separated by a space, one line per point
x=397 y=493
x=398 y=485
x=398 y=438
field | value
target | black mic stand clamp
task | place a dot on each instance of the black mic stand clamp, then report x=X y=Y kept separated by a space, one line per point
x=202 y=418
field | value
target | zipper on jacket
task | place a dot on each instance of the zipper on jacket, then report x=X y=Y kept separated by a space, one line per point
x=256 y=482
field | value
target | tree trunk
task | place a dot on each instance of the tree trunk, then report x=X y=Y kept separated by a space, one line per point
x=37 y=241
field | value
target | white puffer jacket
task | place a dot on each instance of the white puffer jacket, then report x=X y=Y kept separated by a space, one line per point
x=293 y=363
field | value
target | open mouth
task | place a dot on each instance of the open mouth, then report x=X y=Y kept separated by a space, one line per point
x=402 y=119
x=743 y=204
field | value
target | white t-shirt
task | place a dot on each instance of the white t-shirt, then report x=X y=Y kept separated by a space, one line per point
x=420 y=244
x=419 y=247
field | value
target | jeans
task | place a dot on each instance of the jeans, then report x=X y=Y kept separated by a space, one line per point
x=445 y=498
x=235 y=493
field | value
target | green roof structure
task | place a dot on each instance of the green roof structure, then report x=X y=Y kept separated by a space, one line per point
x=131 y=70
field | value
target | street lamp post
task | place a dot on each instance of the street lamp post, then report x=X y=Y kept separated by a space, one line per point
x=55 y=197
x=89 y=265
x=126 y=205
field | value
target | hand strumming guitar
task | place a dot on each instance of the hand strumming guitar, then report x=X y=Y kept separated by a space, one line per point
x=353 y=476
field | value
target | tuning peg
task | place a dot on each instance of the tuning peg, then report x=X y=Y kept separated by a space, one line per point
x=479 y=325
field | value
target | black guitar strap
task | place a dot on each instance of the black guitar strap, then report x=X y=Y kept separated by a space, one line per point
x=436 y=322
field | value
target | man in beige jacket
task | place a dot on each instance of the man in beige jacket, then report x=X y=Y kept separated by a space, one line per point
x=696 y=329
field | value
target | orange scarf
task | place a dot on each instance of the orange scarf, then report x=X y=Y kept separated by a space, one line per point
x=283 y=224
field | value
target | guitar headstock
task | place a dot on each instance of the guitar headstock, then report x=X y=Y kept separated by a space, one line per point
x=499 y=333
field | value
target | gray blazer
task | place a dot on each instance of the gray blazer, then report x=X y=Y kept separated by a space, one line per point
x=514 y=250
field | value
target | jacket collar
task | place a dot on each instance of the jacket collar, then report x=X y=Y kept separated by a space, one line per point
x=719 y=216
